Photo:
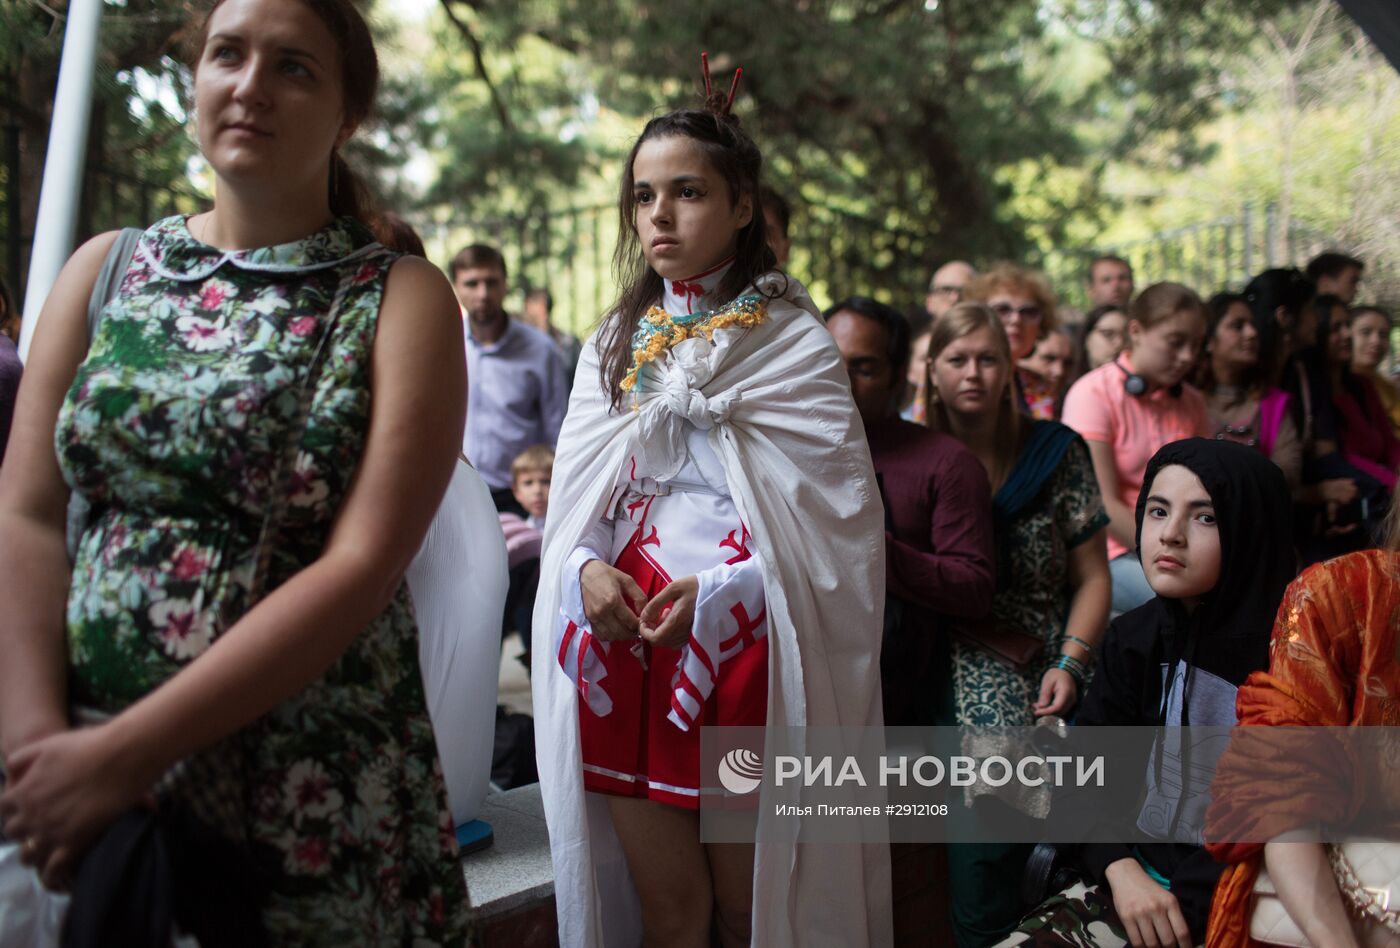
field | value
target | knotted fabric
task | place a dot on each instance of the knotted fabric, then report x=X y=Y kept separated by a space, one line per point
x=680 y=381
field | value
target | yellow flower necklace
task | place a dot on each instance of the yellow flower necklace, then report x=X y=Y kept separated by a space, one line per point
x=660 y=330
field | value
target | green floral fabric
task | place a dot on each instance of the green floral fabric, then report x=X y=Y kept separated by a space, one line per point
x=1032 y=594
x=174 y=430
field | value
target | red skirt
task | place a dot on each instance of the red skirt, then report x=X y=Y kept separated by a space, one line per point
x=634 y=751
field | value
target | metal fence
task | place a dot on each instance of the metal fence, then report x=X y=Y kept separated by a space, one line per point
x=836 y=253
x=111 y=199
x=569 y=252
x=1224 y=253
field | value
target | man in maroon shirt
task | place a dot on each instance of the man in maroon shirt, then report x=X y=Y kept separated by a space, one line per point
x=938 y=509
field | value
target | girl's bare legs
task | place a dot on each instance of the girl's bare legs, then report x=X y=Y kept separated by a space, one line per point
x=731 y=869
x=670 y=870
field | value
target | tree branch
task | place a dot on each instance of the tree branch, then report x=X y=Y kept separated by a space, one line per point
x=502 y=113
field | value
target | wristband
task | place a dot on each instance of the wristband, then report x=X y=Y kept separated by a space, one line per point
x=1077 y=670
x=1081 y=643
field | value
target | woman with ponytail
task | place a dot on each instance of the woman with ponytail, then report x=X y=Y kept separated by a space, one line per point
x=262 y=423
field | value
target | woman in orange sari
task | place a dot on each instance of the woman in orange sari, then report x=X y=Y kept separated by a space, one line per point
x=1333 y=663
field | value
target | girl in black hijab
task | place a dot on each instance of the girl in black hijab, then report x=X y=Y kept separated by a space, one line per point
x=1213 y=525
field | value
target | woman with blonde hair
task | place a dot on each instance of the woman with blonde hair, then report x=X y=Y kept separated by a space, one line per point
x=1033 y=656
x=1025 y=303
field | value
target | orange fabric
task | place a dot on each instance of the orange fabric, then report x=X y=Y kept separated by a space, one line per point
x=1333 y=661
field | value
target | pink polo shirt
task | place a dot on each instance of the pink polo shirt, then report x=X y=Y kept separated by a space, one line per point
x=1100 y=409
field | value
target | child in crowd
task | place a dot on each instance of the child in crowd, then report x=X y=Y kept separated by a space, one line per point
x=530 y=474
x=1053 y=361
x=1214 y=530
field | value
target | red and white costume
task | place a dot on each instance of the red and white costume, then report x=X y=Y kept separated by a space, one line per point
x=751 y=431
x=638 y=728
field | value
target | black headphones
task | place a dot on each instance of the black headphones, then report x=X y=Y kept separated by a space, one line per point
x=1136 y=386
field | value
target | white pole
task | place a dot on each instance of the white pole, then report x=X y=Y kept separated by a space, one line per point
x=63 y=166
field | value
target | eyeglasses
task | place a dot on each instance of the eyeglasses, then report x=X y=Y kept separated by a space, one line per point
x=1030 y=313
x=947 y=291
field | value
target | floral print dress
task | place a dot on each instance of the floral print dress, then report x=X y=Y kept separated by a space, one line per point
x=174 y=431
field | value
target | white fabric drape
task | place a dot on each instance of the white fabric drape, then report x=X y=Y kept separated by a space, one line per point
x=776 y=403
x=458 y=584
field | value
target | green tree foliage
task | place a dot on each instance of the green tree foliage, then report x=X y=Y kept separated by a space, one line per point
x=1306 y=134
x=906 y=132
x=138 y=145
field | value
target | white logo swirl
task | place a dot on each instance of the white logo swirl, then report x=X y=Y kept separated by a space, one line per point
x=741 y=771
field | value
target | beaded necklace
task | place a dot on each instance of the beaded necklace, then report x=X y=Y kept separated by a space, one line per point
x=659 y=330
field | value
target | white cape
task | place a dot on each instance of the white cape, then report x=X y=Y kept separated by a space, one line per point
x=795 y=456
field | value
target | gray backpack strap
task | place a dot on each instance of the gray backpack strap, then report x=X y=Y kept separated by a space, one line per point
x=109 y=278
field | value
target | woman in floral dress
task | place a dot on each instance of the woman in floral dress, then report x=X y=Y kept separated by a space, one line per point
x=311 y=389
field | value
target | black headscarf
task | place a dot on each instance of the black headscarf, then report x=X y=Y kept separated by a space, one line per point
x=1254 y=515
x=1228 y=634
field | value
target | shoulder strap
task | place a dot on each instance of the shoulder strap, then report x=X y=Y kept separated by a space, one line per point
x=109 y=278
x=286 y=468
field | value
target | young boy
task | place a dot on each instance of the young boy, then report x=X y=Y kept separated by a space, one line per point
x=529 y=482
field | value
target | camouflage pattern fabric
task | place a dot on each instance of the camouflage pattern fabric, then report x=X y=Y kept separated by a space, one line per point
x=1081 y=916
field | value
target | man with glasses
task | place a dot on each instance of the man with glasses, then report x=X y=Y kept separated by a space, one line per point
x=947 y=287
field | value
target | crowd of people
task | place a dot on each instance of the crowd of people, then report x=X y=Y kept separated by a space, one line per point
x=726 y=507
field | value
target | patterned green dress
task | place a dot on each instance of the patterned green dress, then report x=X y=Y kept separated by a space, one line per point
x=1033 y=593
x=174 y=431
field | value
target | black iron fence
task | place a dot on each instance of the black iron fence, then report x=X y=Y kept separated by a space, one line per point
x=569 y=252
x=836 y=253
x=1226 y=252
x=111 y=199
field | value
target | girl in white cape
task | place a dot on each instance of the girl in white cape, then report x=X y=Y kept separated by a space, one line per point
x=717 y=558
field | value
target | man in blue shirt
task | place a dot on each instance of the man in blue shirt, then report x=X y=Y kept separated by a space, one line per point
x=516 y=393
